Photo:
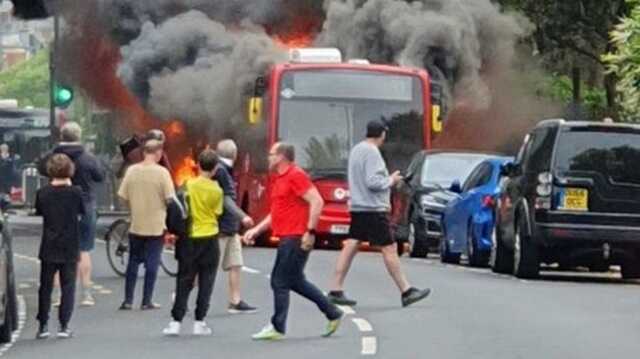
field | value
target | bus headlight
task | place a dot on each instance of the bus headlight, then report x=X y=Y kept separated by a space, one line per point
x=340 y=194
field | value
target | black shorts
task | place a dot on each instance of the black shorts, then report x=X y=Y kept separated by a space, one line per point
x=372 y=227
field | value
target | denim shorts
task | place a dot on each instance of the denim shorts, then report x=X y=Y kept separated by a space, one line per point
x=88 y=227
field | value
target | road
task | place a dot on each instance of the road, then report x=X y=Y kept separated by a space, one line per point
x=472 y=313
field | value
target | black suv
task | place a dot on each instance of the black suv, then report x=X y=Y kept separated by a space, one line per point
x=572 y=197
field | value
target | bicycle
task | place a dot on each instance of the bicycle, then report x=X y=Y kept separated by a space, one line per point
x=117 y=240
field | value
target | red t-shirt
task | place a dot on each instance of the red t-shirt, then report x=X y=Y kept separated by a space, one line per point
x=289 y=211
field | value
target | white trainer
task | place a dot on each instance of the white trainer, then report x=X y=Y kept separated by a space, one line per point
x=201 y=328
x=172 y=330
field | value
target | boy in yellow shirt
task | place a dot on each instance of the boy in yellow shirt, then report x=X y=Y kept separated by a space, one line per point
x=199 y=254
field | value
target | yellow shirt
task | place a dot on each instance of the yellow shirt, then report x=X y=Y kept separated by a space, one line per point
x=147 y=188
x=205 y=206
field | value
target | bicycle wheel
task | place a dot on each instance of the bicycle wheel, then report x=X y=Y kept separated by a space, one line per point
x=117 y=239
x=168 y=260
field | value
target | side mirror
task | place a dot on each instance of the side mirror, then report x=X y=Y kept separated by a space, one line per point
x=436 y=119
x=456 y=187
x=509 y=169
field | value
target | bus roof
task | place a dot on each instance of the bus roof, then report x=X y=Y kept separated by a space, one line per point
x=391 y=69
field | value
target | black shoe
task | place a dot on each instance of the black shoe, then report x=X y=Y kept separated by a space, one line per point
x=241 y=308
x=338 y=298
x=125 y=306
x=150 y=306
x=65 y=332
x=413 y=295
x=43 y=331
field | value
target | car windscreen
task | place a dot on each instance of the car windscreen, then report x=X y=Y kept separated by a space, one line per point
x=612 y=152
x=442 y=169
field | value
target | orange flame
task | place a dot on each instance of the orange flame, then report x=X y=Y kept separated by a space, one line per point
x=185 y=170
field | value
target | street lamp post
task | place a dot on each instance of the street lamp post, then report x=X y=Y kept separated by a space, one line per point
x=52 y=76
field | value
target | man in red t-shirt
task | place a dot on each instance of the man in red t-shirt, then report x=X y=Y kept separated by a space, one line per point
x=295 y=209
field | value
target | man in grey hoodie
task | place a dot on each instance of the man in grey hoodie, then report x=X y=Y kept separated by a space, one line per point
x=370 y=186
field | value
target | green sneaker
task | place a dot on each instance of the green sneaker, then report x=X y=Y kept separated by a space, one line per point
x=332 y=326
x=268 y=333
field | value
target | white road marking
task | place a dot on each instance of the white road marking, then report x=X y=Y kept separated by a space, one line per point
x=363 y=325
x=22 y=318
x=347 y=309
x=250 y=270
x=27 y=258
x=369 y=346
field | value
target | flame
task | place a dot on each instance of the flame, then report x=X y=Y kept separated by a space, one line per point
x=185 y=170
x=296 y=40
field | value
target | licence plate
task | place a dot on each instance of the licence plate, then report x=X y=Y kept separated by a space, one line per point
x=575 y=199
x=339 y=229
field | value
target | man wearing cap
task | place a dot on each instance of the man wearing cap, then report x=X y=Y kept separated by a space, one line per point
x=370 y=185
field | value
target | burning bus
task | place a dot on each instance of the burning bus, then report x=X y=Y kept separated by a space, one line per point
x=321 y=105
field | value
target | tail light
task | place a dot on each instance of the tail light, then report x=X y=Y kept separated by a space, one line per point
x=488 y=202
x=544 y=188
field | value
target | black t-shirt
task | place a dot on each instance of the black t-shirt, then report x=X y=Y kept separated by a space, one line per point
x=61 y=207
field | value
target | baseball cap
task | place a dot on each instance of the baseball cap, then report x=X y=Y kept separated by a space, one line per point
x=375 y=128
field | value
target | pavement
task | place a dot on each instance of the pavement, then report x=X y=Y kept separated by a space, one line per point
x=472 y=313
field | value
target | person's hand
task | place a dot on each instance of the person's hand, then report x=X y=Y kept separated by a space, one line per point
x=396 y=177
x=249 y=237
x=307 y=242
x=248 y=222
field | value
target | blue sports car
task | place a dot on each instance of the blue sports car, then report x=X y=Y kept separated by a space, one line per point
x=469 y=220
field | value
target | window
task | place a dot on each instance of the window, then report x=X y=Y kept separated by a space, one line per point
x=479 y=177
x=538 y=156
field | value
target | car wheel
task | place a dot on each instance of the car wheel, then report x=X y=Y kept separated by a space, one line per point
x=445 y=254
x=476 y=258
x=526 y=258
x=630 y=269
x=500 y=259
x=417 y=242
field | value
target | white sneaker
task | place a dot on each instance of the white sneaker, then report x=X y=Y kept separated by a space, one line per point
x=201 y=328
x=172 y=330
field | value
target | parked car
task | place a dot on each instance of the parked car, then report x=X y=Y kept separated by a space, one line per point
x=432 y=179
x=8 y=300
x=469 y=218
x=573 y=198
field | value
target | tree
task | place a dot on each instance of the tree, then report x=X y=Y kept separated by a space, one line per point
x=28 y=82
x=624 y=62
x=572 y=36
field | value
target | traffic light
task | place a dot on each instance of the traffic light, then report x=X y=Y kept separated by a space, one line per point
x=62 y=95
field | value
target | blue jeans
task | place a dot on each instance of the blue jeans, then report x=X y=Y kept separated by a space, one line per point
x=288 y=275
x=147 y=250
x=88 y=227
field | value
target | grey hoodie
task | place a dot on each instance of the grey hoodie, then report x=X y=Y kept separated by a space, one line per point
x=369 y=180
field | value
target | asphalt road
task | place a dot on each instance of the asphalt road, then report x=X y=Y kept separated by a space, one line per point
x=472 y=313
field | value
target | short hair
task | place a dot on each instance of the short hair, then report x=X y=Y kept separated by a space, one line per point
x=286 y=150
x=376 y=128
x=60 y=166
x=152 y=146
x=155 y=134
x=227 y=149
x=71 y=132
x=208 y=160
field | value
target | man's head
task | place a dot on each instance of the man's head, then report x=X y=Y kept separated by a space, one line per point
x=71 y=132
x=377 y=131
x=4 y=149
x=281 y=154
x=153 y=150
x=60 y=166
x=155 y=134
x=208 y=160
x=227 y=149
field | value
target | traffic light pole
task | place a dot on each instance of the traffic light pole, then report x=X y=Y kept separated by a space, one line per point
x=53 y=52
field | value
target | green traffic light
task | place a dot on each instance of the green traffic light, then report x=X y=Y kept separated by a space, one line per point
x=62 y=96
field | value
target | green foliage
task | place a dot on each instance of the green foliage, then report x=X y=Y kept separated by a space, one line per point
x=560 y=88
x=625 y=62
x=28 y=82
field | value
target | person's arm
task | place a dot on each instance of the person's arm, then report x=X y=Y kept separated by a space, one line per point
x=96 y=170
x=123 y=191
x=38 y=204
x=375 y=172
x=167 y=187
x=226 y=182
x=253 y=233
x=312 y=196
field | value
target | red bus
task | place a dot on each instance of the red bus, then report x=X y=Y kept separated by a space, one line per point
x=321 y=105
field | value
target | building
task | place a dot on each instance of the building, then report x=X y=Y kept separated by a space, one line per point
x=19 y=39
